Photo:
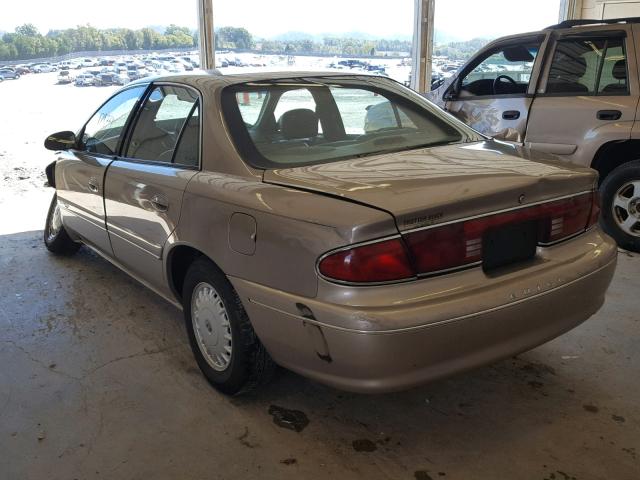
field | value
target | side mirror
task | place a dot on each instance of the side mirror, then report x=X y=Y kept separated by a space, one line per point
x=60 y=141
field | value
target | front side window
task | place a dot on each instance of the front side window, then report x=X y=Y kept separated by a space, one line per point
x=160 y=123
x=588 y=67
x=504 y=71
x=321 y=121
x=102 y=132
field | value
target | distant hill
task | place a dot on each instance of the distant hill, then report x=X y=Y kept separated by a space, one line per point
x=295 y=36
x=440 y=37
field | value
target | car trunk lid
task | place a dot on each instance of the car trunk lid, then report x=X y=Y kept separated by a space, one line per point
x=437 y=185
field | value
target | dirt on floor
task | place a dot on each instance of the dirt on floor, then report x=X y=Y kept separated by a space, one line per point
x=97 y=379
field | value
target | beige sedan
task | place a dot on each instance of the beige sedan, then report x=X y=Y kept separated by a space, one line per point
x=340 y=226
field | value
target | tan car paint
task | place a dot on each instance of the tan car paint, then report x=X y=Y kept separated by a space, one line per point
x=370 y=338
x=459 y=181
x=561 y=125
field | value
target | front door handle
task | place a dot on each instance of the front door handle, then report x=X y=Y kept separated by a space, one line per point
x=511 y=115
x=93 y=185
x=160 y=203
x=609 y=115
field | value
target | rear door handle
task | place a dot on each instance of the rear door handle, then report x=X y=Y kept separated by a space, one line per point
x=160 y=203
x=511 y=115
x=609 y=115
x=93 y=186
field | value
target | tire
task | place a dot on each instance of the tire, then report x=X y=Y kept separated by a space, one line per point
x=56 y=238
x=247 y=365
x=620 y=198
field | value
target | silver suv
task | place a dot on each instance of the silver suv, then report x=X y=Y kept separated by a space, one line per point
x=571 y=90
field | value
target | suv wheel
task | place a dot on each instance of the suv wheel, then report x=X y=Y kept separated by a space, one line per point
x=620 y=195
x=222 y=339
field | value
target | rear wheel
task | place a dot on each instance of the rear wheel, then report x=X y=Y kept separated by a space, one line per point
x=620 y=193
x=222 y=339
x=56 y=238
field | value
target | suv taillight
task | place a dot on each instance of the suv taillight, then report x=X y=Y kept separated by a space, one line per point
x=454 y=246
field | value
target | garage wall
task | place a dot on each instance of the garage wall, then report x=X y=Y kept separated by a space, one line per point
x=603 y=9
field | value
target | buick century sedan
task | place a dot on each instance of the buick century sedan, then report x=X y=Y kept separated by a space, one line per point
x=340 y=226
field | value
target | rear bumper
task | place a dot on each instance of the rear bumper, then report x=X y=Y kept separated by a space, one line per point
x=414 y=340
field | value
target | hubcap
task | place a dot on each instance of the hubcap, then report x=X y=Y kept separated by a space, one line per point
x=211 y=326
x=55 y=224
x=626 y=208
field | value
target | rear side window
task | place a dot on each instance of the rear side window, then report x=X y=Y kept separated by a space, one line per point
x=160 y=123
x=188 y=151
x=250 y=104
x=588 y=67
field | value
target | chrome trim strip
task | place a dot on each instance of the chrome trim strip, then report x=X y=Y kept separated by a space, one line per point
x=434 y=324
x=86 y=216
x=466 y=266
x=497 y=212
x=111 y=232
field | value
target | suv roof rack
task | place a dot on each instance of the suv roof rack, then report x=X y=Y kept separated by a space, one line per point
x=580 y=23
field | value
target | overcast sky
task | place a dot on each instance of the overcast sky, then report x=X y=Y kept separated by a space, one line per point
x=464 y=19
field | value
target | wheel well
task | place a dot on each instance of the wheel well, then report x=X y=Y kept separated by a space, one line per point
x=613 y=154
x=180 y=259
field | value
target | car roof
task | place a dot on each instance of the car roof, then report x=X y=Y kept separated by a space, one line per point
x=214 y=77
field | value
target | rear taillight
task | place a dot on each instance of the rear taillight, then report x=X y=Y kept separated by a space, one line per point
x=565 y=218
x=383 y=261
x=595 y=210
x=457 y=245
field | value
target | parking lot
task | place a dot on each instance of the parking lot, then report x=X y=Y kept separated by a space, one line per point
x=98 y=379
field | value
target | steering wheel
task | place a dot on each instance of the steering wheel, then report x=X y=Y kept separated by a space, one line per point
x=496 y=82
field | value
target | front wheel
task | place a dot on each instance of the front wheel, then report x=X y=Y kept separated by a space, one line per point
x=56 y=238
x=620 y=196
x=222 y=339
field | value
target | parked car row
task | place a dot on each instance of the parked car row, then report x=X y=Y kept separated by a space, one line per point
x=171 y=63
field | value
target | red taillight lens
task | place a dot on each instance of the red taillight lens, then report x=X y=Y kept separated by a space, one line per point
x=384 y=261
x=565 y=218
x=444 y=248
x=456 y=245
x=595 y=210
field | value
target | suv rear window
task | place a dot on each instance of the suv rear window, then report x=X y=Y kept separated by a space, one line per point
x=298 y=122
x=589 y=67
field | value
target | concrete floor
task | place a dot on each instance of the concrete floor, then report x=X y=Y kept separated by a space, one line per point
x=97 y=381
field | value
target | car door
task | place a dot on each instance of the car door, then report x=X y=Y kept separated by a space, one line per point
x=494 y=91
x=145 y=186
x=80 y=171
x=588 y=94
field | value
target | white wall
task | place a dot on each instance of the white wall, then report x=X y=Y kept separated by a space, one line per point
x=603 y=9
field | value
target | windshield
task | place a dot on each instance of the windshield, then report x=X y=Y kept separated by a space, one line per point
x=288 y=123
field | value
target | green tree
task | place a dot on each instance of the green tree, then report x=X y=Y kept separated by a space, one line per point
x=28 y=29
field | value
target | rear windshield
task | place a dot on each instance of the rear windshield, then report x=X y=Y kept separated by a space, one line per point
x=288 y=123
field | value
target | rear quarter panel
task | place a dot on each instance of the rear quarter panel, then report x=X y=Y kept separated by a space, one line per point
x=294 y=228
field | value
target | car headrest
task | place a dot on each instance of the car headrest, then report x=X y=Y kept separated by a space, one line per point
x=619 y=71
x=568 y=66
x=299 y=123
